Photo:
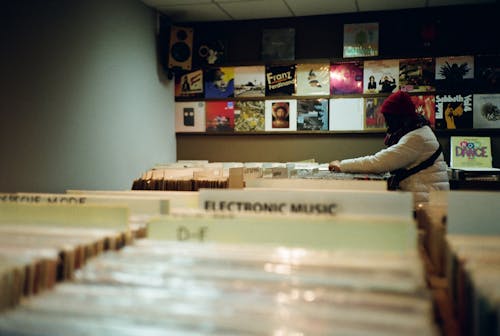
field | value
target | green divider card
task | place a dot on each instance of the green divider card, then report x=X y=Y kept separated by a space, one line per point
x=138 y=205
x=65 y=215
x=319 y=233
x=177 y=199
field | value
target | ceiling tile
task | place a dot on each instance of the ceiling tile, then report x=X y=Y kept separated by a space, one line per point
x=320 y=7
x=433 y=3
x=379 y=5
x=198 y=12
x=166 y=3
x=256 y=9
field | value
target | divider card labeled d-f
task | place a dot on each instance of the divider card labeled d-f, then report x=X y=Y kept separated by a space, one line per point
x=365 y=234
x=356 y=203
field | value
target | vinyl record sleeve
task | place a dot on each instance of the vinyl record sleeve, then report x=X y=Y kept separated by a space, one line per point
x=281 y=115
x=383 y=74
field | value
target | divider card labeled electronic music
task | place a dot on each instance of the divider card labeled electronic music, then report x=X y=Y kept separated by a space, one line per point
x=345 y=203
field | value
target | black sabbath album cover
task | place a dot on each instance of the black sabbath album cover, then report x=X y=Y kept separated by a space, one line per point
x=454 y=111
x=280 y=80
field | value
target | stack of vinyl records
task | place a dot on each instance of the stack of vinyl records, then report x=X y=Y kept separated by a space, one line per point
x=473 y=270
x=34 y=258
x=181 y=288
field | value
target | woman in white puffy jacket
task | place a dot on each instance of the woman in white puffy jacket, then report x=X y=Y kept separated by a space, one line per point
x=410 y=142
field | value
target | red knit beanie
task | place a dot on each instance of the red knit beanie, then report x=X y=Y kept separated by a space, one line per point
x=399 y=104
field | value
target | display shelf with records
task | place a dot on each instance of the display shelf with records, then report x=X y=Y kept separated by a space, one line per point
x=351 y=283
x=42 y=243
x=230 y=175
x=451 y=84
x=462 y=242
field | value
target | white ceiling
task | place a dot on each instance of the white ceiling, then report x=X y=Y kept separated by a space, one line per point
x=224 y=10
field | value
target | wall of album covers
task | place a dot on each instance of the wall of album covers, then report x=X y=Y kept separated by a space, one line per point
x=450 y=71
x=455 y=92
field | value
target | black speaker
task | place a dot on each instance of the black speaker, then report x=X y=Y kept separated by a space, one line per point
x=181 y=48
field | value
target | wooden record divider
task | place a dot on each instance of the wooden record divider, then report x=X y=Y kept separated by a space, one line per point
x=27 y=267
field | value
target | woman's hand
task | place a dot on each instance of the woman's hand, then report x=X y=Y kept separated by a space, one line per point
x=334 y=166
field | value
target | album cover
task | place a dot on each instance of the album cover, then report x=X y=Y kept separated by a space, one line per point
x=312 y=115
x=381 y=76
x=220 y=116
x=360 y=39
x=416 y=74
x=488 y=73
x=249 y=81
x=219 y=82
x=454 y=72
x=313 y=79
x=249 y=116
x=426 y=106
x=454 y=111
x=278 y=44
x=346 y=78
x=280 y=80
x=189 y=84
x=281 y=115
x=470 y=152
x=346 y=114
x=211 y=52
x=190 y=116
x=373 y=117
x=486 y=110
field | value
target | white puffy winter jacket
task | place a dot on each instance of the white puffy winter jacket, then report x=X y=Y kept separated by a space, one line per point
x=412 y=149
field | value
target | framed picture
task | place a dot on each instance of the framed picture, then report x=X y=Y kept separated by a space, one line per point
x=360 y=39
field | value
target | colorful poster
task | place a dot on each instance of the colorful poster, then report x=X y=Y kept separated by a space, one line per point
x=346 y=78
x=416 y=74
x=374 y=119
x=346 y=114
x=454 y=111
x=486 y=110
x=454 y=72
x=312 y=115
x=189 y=84
x=381 y=76
x=219 y=82
x=249 y=81
x=426 y=106
x=280 y=80
x=220 y=116
x=281 y=115
x=249 y=116
x=470 y=152
x=190 y=116
x=313 y=79
x=360 y=39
